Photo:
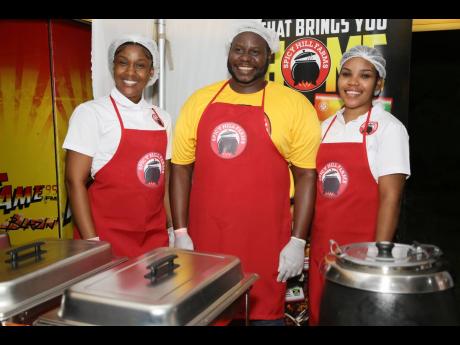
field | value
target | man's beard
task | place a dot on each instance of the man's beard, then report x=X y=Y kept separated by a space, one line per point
x=259 y=74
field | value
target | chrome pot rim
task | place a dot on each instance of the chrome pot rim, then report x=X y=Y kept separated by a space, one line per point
x=387 y=267
x=387 y=282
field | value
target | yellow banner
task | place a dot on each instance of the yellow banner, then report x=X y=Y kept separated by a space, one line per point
x=28 y=191
x=37 y=97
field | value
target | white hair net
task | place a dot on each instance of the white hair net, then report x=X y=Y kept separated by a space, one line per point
x=370 y=54
x=144 y=41
x=269 y=35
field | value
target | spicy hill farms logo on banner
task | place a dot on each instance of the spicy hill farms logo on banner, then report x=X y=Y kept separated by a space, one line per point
x=311 y=49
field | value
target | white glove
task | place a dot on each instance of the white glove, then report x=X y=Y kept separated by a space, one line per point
x=171 y=237
x=93 y=239
x=291 y=259
x=182 y=239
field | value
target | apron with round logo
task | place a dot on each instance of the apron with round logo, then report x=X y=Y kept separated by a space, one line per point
x=127 y=194
x=239 y=201
x=347 y=200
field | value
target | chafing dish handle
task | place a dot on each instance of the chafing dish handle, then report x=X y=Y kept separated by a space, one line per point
x=161 y=268
x=15 y=257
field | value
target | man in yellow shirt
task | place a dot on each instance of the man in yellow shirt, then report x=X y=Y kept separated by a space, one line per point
x=236 y=140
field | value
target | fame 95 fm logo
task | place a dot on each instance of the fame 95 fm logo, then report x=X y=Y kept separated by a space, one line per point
x=305 y=64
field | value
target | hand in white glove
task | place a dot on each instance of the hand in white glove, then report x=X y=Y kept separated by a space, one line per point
x=291 y=259
x=171 y=237
x=182 y=239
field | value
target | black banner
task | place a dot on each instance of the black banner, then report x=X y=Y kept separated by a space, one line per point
x=311 y=49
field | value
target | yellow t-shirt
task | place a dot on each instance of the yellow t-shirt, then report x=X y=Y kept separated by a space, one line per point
x=295 y=128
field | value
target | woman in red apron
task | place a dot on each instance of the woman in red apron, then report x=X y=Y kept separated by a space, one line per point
x=239 y=198
x=350 y=205
x=125 y=203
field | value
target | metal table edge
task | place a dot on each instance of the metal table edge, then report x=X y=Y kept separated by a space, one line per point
x=219 y=305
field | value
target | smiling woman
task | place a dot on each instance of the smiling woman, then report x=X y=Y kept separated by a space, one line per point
x=133 y=68
x=125 y=144
x=362 y=164
x=358 y=82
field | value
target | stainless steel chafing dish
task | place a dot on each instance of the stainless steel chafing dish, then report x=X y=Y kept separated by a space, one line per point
x=166 y=286
x=34 y=276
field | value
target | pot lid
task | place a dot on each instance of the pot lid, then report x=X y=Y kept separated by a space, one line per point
x=387 y=267
x=387 y=254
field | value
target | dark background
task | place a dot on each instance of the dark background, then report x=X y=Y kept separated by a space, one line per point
x=431 y=206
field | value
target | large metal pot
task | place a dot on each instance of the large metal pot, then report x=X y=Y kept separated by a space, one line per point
x=387 y=283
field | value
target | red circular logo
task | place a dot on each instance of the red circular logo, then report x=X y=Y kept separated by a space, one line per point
x=305 y=64
x=371 y=127
x=150 y=170
x=228 y=140
x=333 y=179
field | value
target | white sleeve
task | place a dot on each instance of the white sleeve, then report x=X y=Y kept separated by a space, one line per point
x=83 y=132
x=393 y=150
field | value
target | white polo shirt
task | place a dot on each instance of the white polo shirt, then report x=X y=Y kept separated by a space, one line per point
x=387 y=144
x=94 y=129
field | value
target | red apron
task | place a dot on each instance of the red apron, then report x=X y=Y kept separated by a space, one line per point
x=239 y=202
x=127 y=194
x=347 y=200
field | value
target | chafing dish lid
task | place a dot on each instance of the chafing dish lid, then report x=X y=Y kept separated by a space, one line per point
x=125 y=294
x=31 y=278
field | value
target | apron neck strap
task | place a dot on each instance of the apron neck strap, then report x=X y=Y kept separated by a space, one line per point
x=228 y=81
x=365 y=125
x=218 y=92
x=263 y=95
x=118 y=113
x=157 y=118
x=329 y=127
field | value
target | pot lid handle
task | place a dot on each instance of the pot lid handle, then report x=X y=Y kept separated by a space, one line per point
x=385 y=248
x=423 y=250
x=161 y=268
x=15 y=256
